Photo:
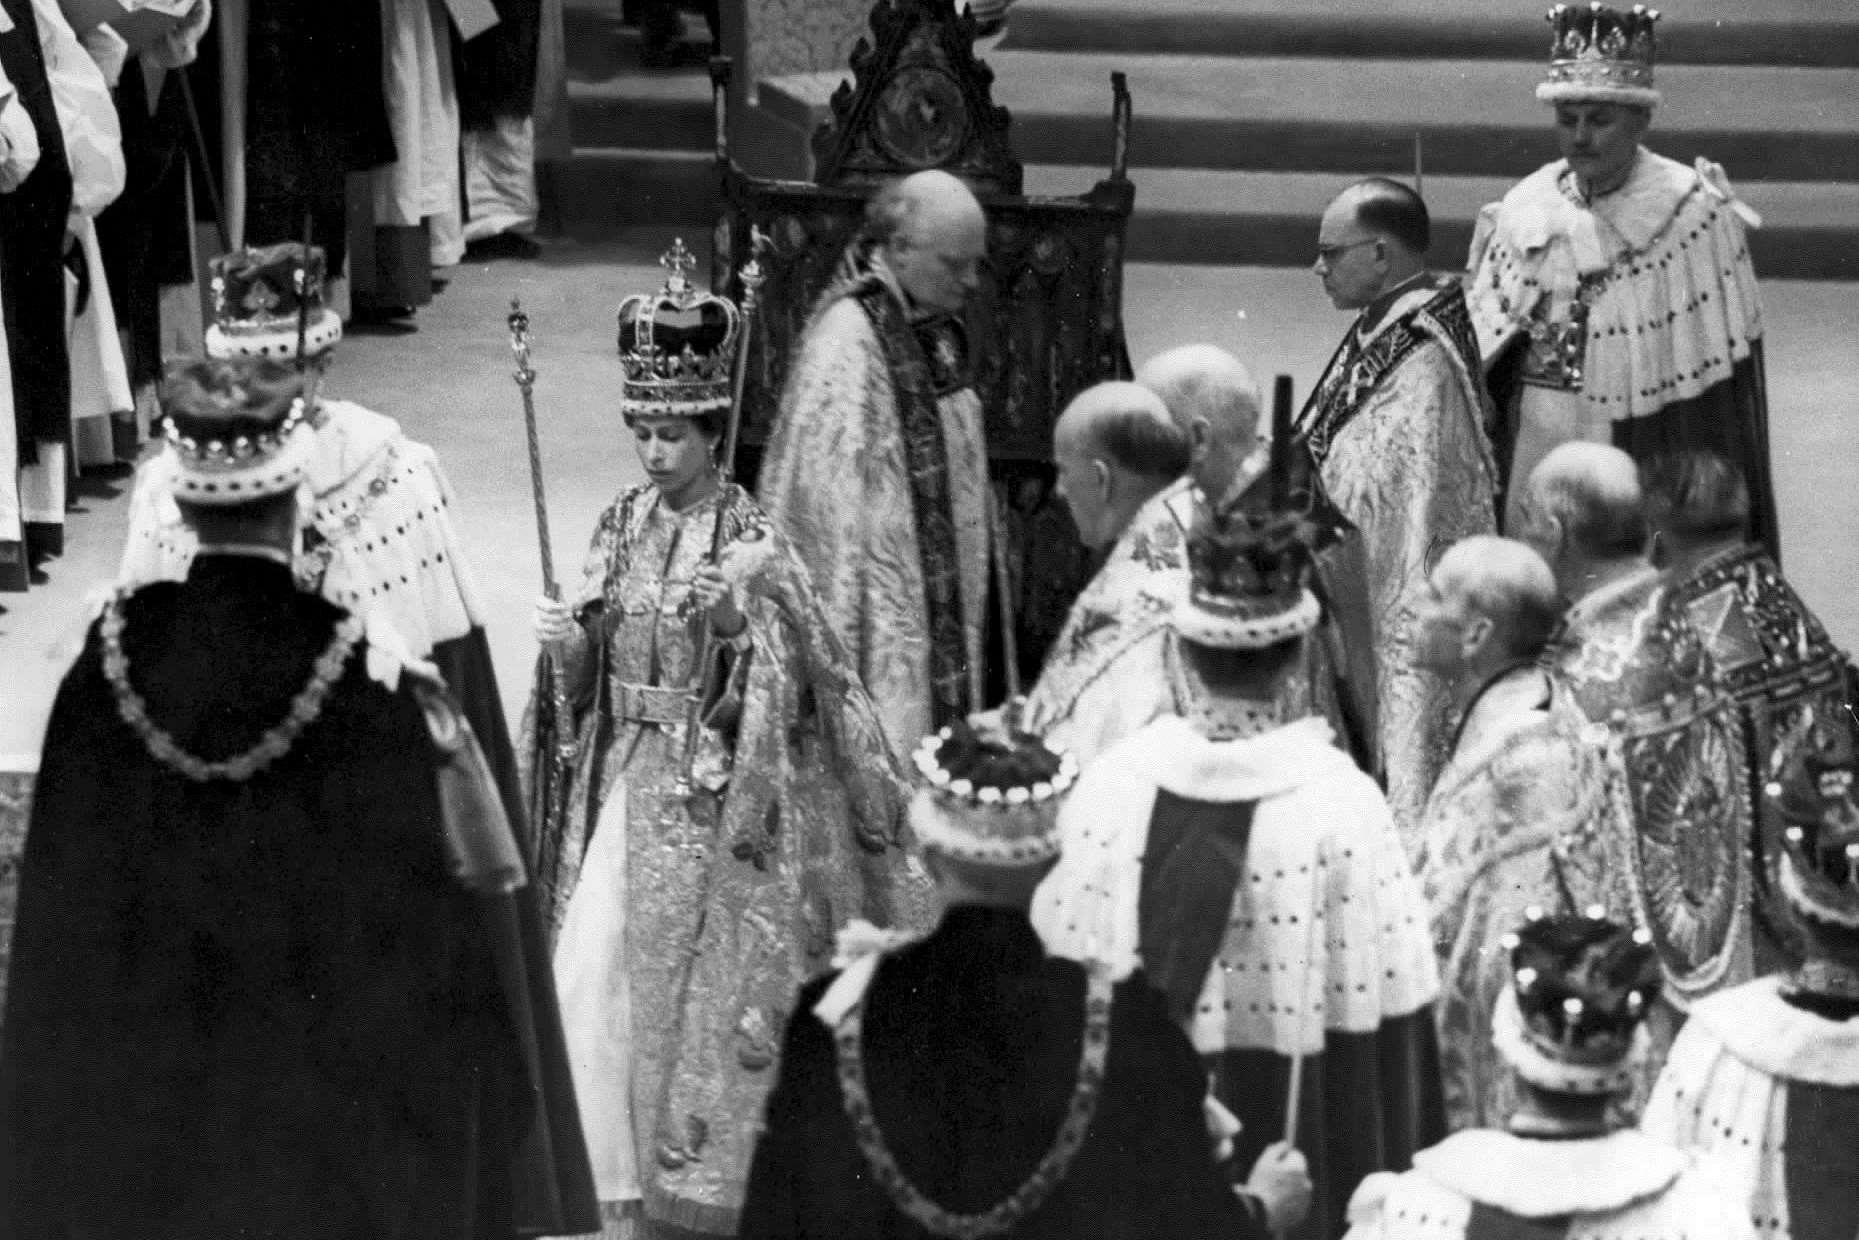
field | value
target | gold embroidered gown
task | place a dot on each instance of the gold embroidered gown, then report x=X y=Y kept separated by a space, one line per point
x=686 y=924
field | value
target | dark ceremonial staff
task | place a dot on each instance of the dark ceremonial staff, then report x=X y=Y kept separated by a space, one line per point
x=303 y=294
x=751 y=277
x=203 y=160
x=1003 y=590
x=302 y=280
x=561 y=755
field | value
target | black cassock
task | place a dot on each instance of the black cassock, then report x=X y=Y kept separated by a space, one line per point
x=971 y=1043
x=262 y=1008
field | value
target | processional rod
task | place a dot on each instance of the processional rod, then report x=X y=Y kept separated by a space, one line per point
x=751 y=277
x=561 y=754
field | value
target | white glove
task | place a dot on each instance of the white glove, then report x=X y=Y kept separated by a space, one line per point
x=1281 y=1181
x=554 y=624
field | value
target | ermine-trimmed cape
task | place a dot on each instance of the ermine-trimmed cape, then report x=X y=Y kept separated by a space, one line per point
x=1486 y=1184
x=1292 y=828
x=1769 y=1094
x=1673 y=353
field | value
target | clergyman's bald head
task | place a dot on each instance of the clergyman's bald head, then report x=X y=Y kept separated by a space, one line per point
x=1592 y=491
x=922 y=199
x=1506 y=582
x=933 y=235
x=1127 y=425
x=1115 y=446
x=1213 y=399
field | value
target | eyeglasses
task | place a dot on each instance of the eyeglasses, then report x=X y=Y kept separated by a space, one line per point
x=1330 y=253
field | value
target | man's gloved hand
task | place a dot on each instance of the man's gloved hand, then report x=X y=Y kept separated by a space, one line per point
x=1281 y=1181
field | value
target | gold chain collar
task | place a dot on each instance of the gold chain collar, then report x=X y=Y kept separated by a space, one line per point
x=1011 y=1210
x=277 y=741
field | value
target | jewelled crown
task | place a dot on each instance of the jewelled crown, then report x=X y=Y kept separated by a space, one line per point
x=1581 y=986
x=258 y=295
x=236 y=429
x=1247 y=564
x=992 y=793
x=1818 y=799
x=1600 y=54
x=677 y=346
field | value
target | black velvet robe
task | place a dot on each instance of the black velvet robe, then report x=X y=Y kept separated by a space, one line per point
x=496 y=72
x=32 y=248
x=316 y=109
x=262 y=1009
x=971 y=1049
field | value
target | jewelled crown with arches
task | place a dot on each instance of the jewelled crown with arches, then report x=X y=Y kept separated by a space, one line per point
x=262 y=295
x=1600 y=54
x=1247 y=567
x=677 y=346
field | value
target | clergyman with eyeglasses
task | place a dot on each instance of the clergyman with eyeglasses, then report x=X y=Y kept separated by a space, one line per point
x=1397 y=428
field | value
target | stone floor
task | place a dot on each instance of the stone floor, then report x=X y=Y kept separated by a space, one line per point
x=449 y=384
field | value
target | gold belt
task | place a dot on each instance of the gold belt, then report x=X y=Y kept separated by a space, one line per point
x=650 y=704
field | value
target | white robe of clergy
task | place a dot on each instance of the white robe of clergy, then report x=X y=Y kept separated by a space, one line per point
x=1523 y=815
x=1486 y=1184
x=1397 y=429
x=1111 y=670
x=1768 y=1091
x=1260 y=884
x=19 y=155
x=836 y=480
x=80 y=73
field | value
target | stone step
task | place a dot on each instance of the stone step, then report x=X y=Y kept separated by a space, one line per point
x=601 y=190
x=643 y=111
x=1776 y=32
x=1202 y=216
x=1475 y=117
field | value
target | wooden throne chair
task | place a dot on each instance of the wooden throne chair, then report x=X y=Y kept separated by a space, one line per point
x=1047 y=321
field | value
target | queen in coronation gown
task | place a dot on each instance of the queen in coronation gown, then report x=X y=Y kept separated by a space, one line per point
x=695 y=887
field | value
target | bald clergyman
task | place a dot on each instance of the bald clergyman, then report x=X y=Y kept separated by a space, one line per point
x=1522 y=815
x=1396 y=428
x=1121 y=461
x=877 y=468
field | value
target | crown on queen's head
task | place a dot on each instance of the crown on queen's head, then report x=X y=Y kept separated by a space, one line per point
x=677 y=346
x=259 y=294
x=1817 y=798
x=1600 y=54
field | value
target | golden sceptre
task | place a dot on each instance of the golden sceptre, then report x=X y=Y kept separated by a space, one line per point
x=751 y=277
x=561 y=756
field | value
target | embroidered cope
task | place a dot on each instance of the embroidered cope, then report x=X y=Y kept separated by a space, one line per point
x=1109 y=673
x=1396 y=426
x=1523 y=815
x=837 y=481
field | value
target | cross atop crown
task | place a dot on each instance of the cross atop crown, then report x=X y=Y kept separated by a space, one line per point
x=679 y=262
